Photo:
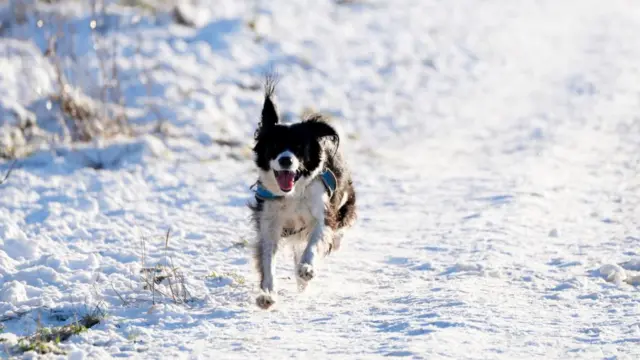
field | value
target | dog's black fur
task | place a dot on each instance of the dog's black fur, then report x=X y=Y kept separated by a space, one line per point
x=316 y=147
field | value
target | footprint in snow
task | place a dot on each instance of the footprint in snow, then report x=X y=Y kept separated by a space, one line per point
x=409 y=263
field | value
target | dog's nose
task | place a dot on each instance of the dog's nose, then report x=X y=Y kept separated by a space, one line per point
x=285 y=161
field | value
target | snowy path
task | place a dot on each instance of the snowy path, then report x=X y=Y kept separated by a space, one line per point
x=496 y=159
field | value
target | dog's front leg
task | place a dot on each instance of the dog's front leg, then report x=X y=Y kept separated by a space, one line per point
x=270 y=232
x=320 y=238
x=319 y=242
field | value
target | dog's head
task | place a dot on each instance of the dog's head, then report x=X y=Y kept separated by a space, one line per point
x=290 y=155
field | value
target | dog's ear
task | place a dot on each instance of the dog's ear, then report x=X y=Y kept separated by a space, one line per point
x=321 y=129
x=269 y=115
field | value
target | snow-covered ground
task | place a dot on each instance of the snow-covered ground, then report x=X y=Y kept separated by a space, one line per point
x=496 y=152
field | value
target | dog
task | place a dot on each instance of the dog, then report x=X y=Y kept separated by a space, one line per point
x=304 y=196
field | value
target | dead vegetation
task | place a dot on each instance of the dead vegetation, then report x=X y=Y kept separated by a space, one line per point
x=80 y=118
x=160 y=282
x=84 y=118
x=88 y=95
x=46 y=340
x=173 y=279
x=86 y=104
x=233 y=278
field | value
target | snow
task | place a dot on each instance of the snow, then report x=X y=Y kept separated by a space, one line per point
x=13 y=292
x=495 y=148
x=613 y=273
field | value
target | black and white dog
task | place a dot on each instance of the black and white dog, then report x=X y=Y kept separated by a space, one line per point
x=304 y=194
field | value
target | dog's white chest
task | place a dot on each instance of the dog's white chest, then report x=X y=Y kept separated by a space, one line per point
x=301 y=210
x=297 y=212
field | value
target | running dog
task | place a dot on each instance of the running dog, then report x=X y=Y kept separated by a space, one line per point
x=304 y=196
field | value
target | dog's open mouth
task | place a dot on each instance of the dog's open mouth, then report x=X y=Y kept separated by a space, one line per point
x=286 y=179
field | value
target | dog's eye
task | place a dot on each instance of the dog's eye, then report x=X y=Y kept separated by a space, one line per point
x=306 y=150
x=300 y=149
x=273 y=149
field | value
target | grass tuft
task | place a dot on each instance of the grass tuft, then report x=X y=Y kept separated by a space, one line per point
x=46 y=340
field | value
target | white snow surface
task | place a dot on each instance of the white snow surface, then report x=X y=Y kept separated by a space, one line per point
x=495 y=147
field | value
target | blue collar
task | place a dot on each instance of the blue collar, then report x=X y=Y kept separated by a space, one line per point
x=328 y=179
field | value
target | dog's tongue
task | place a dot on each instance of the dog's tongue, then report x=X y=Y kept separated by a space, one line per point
x=285 y=180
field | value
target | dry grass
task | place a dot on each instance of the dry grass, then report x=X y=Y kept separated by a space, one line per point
x=236 y=279
x=84 y=118
x=87 y=104
x=45 y=340
x=96 y=110
x=163 y=282
x=169 y=274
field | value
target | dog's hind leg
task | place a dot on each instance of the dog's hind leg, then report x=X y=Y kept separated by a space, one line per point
x=346 y=215
x=336 y=241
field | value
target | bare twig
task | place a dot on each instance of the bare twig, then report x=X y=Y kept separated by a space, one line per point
x=122 y=119
x=6 y=176
x=148 y=85
x=124 y=302
x=150 y=285
x=166 y=247
x=146 y=273
x=79 y=114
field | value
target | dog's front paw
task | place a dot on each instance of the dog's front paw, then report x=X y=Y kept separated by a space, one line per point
x=302 y=284
x=265 y=300
x=306 y=272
